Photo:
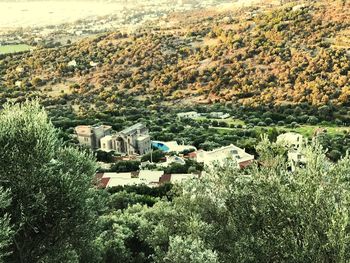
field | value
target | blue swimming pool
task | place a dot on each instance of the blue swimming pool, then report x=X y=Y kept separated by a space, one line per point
x=160 y=146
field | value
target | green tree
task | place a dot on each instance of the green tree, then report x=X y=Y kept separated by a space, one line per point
x=313 y=120
x=156 y=156
x=5 y=228
x=268 y=214
x=52 y=206
x=120 y=238
x=334 y=155
x=187 y=249
x=125 y=166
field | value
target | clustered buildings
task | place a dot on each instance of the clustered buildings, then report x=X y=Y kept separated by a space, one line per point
x=134 y=140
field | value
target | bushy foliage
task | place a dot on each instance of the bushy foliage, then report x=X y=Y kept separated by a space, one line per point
x=50 y=187
x=6 y=232
x=261 y=214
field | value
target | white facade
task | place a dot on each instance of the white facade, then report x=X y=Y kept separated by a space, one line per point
x=223 y=154
x=149 y=178
x=107 y=143
x=295 y=143
x=188 y=115
x=130 y=141
x=219 y=115
x=91 y=135
x=291 y=139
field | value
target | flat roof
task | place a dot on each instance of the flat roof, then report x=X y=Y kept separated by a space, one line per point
x=123 y=181
x=188 y=112
x=143 y=137
x=117 y=175
x=133 y=128
x=150 y=176
x=223 y=153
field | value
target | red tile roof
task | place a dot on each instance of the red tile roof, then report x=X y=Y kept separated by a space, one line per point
x=165 y=178
x=103 y=182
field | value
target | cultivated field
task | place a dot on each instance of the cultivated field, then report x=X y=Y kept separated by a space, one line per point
x=14 y=48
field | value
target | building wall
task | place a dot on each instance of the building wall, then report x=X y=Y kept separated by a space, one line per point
x=91 y=136
x=144 y=146
x=131 y=142
x=107 y=144
x=85 y=140
x=99 y=133
x=84 y=135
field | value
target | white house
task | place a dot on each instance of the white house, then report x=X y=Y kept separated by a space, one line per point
x=91 y=135
x=219 y=115
x=223 y=154
x=130 y=141
x=188 y=115
x=295 y=144
x=291 y=139
x=178 y=178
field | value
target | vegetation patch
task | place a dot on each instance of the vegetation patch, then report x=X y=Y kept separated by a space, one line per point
x=8 y=49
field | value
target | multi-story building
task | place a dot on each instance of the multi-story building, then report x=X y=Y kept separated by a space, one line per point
x=91 y=135
x=130 y=141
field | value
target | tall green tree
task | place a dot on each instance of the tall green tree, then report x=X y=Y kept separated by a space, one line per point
x=187 y=249
x=5 y=228
x=269 y=214
x=52 y=210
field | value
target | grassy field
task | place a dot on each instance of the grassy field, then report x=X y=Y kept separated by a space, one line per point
x=306 y=130
x=14 y=48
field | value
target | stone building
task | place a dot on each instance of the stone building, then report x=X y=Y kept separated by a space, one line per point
x=130 y=141
x=91 y=135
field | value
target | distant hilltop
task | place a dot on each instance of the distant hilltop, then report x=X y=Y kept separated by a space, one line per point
x=274 y=54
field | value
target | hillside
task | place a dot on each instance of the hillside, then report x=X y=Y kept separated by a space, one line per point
x=262 y=55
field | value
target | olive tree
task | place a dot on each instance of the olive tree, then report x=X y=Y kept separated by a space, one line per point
x=52 y=208
x=268 y=214
x=264 y=213
x=5 y=227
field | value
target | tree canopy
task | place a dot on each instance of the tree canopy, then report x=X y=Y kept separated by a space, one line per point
x=265 y=213
x=51 y=210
